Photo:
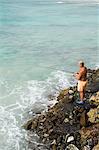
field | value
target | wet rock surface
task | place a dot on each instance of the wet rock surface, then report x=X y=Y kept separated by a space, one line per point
x=68 y=125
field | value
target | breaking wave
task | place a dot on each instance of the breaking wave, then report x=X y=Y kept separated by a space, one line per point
x=33 y=97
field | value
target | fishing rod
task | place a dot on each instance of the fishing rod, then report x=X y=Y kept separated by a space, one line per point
x=58 y=69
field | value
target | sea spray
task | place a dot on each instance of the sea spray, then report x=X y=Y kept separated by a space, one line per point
x=33 y=97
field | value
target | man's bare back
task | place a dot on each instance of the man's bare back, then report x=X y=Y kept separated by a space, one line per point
x=81 y=76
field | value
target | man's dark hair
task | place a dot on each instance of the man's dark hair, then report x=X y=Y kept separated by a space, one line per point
x=82 y=63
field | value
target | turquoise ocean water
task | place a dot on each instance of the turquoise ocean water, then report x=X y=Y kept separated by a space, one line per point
x=38 y=40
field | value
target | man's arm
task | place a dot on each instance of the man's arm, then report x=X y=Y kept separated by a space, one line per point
x=78 y=75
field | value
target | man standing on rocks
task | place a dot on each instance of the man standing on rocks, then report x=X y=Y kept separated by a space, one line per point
x=81 y=76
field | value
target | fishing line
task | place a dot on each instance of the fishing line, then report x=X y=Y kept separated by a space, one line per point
x=56 y=69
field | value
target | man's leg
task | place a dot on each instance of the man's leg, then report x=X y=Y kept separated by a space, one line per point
x=84 y=92
x=81 y=95
x=81 y=92
x=84 y=89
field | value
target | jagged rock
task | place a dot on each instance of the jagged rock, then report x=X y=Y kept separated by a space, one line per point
x=50 y=131
x=87 y=147
x=71 y=92
x=61 y=124
x=93 y=87
x=71 y=147
x=98 y=94
x=68 y=99
x=89 y=136
x=95 y=98
x=28 y=125
x=93 y=115
x=54 y=142
x=46 y=135
x=59 y=140
x=43 y=120
x=83 y=120
x=41 y=127
x=93 y=82
x=31 y=124
x=71 y=97
x=70 y=138
x=44 y=140
x=90 y=143
x=96 y=147
x=54 y=145
x=71 y=115
x=66 y=120
x=89 y=131
x=62 y=94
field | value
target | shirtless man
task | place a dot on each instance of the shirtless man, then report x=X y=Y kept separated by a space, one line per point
x=81 y=76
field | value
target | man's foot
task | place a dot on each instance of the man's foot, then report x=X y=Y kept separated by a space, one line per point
x=84 y=99
x=79 y=102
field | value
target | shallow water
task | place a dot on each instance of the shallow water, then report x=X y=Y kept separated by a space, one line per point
x=38 y=40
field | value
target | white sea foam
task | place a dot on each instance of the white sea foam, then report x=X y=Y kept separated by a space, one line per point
x=79 y=1
x=33 y=96
x=90 y=1
x=60 y=2
x=97 y=66
x=10 y=133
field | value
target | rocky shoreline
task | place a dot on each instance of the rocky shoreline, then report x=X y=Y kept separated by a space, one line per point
x=67 y=125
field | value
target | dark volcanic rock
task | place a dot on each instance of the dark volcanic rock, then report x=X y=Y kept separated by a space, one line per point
x=93 y=87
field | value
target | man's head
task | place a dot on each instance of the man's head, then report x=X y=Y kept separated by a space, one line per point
x=81 y=63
